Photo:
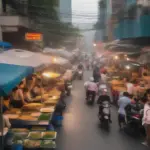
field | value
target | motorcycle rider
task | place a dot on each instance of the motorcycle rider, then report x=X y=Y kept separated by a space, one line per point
x=102 y=98
x=96 y=74
x=80 y=66
x=91 y=88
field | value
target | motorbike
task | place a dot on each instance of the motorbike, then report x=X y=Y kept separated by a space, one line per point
x=104 y=114
x=80 y=74
x=68 y=88
x=91 y=98
x=134 y=115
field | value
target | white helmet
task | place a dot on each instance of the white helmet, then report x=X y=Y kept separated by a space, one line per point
x=91 y=79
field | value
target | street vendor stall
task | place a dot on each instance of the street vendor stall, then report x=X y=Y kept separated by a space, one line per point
x=33 y=116
x=10 y=76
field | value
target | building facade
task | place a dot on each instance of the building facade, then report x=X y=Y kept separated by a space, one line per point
x=134 y=20
x=65 y=10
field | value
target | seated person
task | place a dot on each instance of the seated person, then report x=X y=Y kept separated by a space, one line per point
x=31 y=81
x=6 y=103
x=37 y=91
x=27 y=96
x=18 y=97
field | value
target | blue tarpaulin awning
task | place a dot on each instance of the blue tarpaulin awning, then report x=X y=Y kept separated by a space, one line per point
x=11 y=76
x=5 y=45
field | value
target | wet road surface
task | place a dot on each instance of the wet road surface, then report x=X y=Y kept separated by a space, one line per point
x=80 y=130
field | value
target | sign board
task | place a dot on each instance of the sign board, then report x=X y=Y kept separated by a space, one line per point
x=33 y=36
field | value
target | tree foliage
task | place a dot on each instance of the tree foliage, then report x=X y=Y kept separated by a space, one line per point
x=46 y=20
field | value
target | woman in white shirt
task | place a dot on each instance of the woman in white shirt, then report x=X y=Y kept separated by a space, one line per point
x=146 y=119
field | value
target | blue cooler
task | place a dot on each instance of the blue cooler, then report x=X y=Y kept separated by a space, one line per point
x=17 y=147
x=58 y=120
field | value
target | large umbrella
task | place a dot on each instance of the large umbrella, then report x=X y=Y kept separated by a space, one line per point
x=25 y=58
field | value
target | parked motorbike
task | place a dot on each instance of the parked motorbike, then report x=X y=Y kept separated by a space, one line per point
x=134 y=115
x=104 y=114
x=68 y=88
x=80 y=74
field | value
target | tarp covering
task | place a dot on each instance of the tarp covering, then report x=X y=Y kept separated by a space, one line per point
x=25 y=58
x=12 y=75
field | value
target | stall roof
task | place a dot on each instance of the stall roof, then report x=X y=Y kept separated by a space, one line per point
x=12 y=75
x=25 y=58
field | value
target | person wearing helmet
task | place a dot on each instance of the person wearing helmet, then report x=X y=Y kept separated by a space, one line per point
x=91 y=88
x=80 y=66
x=102 y=98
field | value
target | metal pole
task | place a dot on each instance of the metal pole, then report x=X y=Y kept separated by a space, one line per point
x=1 y=123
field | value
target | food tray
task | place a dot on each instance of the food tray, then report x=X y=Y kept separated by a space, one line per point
x=34 y=135
x=32 y=143
x=49 y=135
x=48 y=144
x=27 y=118
x=44 y=117
x=19 y=130
x=47 y=110
x=12 y=116
x=35 y=114
x=38 y=128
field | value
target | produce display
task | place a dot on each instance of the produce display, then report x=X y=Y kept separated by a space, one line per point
x=47 y=110
x=19 y=130
x=49 y=135
x=12 y=116
x=48 y=144
x=35 y=114
x=44 y=117
x=50 y=102
x=32 y=143
x=13 y=111
x=35 y=135
x=38 y=128
x=27 y=118
x=32 y=106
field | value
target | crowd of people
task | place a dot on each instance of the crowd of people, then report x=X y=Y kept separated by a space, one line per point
x=128 y=97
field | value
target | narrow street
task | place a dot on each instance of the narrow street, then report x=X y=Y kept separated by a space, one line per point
x=81 y=130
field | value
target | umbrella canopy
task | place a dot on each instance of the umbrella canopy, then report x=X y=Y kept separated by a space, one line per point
x=5 y=45
x=12 y=75
x=25 y=58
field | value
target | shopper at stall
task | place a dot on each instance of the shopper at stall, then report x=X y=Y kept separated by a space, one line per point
x=122 y=103
x=31 y=81
x=129 y=85
x=18 y=97
x=146 y=119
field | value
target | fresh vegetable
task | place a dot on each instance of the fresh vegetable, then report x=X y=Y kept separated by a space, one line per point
x=34 y=135
x=49 y=135
x=44 y=117
x=32 y=143
x=48 y=144
x=38 y=128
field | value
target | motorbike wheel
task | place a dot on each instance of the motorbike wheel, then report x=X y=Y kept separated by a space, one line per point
x=105 y=124
x=68 y=92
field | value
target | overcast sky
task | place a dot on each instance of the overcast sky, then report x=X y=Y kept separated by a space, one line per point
x=84 y=11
